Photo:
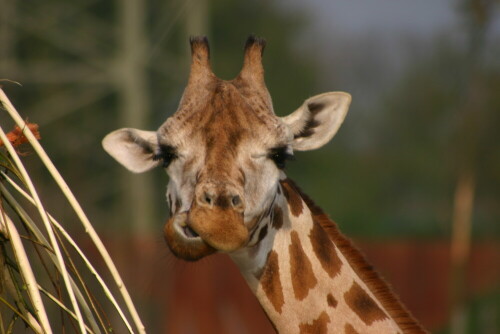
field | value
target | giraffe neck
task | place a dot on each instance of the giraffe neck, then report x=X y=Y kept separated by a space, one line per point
x=310 y=279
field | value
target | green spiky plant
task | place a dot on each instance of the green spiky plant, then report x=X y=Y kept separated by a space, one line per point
x=43 y=272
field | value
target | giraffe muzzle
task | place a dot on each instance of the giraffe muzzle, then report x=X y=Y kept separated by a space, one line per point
x=222 y=228
x=205 y=229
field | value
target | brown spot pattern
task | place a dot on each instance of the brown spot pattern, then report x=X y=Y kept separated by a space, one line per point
x=271 y=283
x=315 y=108
x=382 y=292
x=325 y=250
x=268 y=211
x=311 y=123
x=293 y=198
x=363 y=305
x=303 y=278
x=318 y=326
x=277 y=218
x=332 y=302
x=262 y=233
x=308 y=128
x=349 y=329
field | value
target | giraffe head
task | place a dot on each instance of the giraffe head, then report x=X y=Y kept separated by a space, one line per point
x=224 y=151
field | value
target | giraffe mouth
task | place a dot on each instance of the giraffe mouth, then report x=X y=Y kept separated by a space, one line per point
x=184 y=241
x=194 y=234
x=189 y=232
x=182 y=227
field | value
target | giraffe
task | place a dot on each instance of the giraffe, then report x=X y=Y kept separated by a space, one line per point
x=225 y=150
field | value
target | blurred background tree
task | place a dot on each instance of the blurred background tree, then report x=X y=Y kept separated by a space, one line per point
x=425 y=80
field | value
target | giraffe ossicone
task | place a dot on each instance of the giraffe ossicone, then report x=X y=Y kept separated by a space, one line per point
x=224 y=150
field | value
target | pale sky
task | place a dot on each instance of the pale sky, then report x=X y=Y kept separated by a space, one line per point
x=381 y=36
x=421 y=17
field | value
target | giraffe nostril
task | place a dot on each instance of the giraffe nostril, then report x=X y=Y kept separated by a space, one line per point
x=236 y=201
x=207 y=199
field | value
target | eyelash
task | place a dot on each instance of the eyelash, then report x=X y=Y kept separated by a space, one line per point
x=279 y=155
x=167 y=155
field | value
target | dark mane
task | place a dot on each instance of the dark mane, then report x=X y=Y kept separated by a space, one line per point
x=363 y=269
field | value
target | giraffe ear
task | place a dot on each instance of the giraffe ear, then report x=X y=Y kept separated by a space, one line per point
x=317 y=120
x=133 y=148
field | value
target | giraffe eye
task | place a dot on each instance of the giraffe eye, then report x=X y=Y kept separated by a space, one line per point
x=166 y=154
x=280 y=155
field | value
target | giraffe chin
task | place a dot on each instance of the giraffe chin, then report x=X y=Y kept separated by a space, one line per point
x=183 y=241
